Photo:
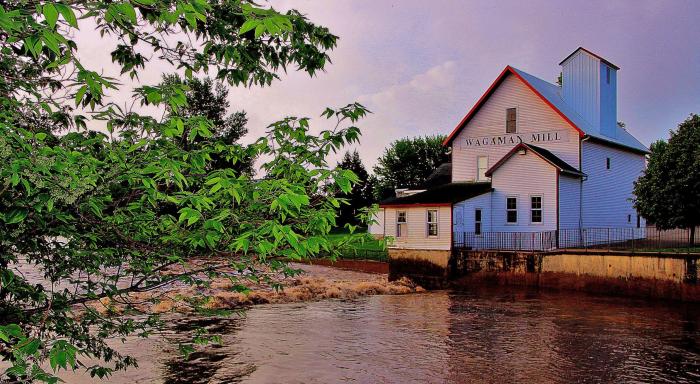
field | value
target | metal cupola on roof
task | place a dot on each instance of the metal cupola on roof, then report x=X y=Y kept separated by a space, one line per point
x=589 y=85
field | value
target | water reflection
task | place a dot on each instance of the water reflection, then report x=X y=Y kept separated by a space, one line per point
x=440 y=337
x=558 y=337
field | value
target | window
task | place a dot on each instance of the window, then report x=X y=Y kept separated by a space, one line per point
x=510 y=120
x=607 y=163
x=536 y=209
x=639 y=221
x=482 y=165
x=477 y=221
x=432 y=222
x=607 y=74
x=511 y=210
x=401 y=228
x=629 y=218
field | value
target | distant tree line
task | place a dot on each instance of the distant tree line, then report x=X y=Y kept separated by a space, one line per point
x=405 y=163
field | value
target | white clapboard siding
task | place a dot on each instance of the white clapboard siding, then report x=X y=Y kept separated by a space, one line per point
x=377 y=226
x=607 y=193
x=533 y=116
x=417 y=236
x=523 y=176
x=569 y=202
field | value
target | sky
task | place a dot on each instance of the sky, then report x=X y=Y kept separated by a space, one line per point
x=419 y=66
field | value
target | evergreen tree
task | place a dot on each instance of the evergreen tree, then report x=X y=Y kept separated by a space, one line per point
x=210 y=100
x=360 y=196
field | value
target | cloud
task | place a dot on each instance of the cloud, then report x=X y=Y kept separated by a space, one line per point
x=420 y=67
x=414 y=107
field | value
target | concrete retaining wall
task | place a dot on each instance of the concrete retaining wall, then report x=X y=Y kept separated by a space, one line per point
x=430 y=268
x=664 y=276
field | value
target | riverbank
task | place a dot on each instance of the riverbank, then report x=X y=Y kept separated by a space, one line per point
x=318 y=280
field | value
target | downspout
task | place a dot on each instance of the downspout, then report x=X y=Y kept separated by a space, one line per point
x=384 y=223
x=580 y=192
x=556 y=232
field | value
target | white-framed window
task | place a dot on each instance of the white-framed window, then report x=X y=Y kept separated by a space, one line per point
x=431 y=224
x=401 y=224
x=511 y=120
x=482 y=165
x=536 y=209
x=511 y=210
x=477 y=221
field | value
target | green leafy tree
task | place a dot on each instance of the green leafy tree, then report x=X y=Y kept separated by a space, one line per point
x=408 y=162
x=361 y=194
x=103 y=216
x=668 y=193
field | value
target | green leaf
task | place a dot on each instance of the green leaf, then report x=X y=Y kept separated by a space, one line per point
x=189 y=214
x=249 y=25
x=50 y=40
x=15 y=216
x=128 y=10
x=80 y=94
x=259 y=30
x=10 y=330
x=50 y=14
x=30 y=346
x=68 y=15
x=40 y=136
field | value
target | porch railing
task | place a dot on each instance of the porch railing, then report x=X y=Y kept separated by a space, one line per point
x=633 y=239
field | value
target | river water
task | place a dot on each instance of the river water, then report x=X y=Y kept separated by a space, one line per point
x=493 y=335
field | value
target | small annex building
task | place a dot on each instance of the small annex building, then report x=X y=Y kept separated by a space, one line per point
x=529 y=157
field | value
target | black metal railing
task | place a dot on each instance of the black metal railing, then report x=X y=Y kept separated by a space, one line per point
x=511 y=241
x=648 y=239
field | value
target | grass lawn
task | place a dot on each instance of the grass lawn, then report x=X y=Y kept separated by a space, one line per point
x=371 y=249
x=672 y=250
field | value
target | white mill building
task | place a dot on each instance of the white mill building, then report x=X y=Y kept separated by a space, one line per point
x=529 y=157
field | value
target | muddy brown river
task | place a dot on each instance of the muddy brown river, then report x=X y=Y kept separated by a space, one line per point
x=494 y=335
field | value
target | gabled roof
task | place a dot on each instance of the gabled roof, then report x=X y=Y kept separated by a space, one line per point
x=592 y=54
x=441 y=175
x=551 y=95
x=446 y=194
x=544 y=154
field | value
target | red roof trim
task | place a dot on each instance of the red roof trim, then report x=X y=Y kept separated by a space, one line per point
x=580 y=131
x=511 y=152
x=508 y=70
x=503 y=159
x=415 y=205
x=476 y=106
x=597 y=56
